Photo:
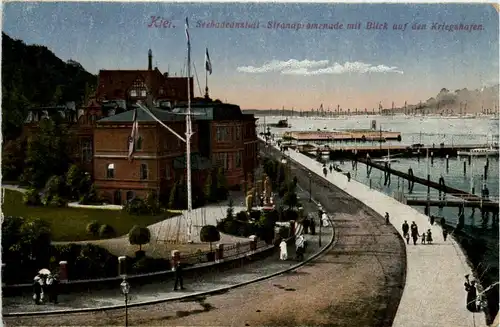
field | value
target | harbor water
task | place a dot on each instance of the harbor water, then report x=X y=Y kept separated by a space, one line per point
x=428 y=131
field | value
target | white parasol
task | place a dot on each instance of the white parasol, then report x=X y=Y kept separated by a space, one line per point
x=44 y=271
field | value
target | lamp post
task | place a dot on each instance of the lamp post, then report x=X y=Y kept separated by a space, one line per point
x=125 y=290
x=310 y=190
x=320 y=213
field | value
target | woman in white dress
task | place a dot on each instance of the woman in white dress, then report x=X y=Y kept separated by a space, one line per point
x=283 y=250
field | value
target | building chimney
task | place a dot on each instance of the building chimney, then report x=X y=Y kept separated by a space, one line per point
x=150 y=60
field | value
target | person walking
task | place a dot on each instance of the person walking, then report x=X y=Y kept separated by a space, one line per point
x=37 y=289
x=414 y=232
x=49 y=288
x=429 y=236
x=406 y=228
x=325 y=172
x=283 y=251
x=306 y=224
x=470 y=288
x=313 y=227
x=300 y=247
x=433 y=218
x=445 y=233
x=179 y=281
x=387 y=218
x=348 y=176
x=331 y=168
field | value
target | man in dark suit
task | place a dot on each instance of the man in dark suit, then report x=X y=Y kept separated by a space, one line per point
x=178 y=274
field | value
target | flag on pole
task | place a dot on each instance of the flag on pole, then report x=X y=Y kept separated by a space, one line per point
x=208 y=63
x=187 y=32
x=133 y=136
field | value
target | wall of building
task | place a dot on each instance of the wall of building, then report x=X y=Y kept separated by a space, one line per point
x=228 y=150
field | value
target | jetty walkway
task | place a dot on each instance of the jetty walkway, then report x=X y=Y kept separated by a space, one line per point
x=434 y=293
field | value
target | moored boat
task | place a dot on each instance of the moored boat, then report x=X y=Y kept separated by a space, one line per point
x=480 y=152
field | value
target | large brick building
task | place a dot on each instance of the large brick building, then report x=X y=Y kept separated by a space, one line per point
x=223 y=135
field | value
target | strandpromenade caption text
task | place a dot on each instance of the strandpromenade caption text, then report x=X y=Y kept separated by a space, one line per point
x=160 y=22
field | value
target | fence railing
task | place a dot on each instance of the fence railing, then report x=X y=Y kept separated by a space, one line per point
x=230 y=251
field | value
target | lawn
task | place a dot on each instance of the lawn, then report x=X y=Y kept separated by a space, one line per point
x=69 y=224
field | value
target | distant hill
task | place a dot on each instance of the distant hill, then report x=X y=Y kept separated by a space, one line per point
x=32 y=75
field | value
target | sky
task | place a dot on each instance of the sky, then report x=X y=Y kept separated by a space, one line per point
x=264 y=68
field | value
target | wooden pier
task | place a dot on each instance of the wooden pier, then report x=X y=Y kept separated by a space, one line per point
x=489 y=205
x=464 y=196
x=396 y=151
x=342 y=136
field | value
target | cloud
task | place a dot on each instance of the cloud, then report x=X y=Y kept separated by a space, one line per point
x=320 y=67
x=280 y=66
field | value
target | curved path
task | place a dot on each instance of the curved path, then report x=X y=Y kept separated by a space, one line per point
x=356 y=283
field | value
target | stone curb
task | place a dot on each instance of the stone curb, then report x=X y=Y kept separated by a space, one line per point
x=184 y=297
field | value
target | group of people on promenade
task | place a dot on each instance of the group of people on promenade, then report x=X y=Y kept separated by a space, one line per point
x=45 y=288
x=300 y=248
x=413 y=231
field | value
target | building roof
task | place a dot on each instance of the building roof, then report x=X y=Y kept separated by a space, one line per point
x=128 y=116
x=206 y=110
x=115 y=84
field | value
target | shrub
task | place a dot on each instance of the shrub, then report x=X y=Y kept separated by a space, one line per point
x=242 y=216
x=89 y=197
x=93 y=228
x=231 y=227
x=58 y=201
x=137 y=207
x=255 y=214
x=139 y=236
x=230 y=210
x=209 y=233
x=32 y=197
x=106 y=231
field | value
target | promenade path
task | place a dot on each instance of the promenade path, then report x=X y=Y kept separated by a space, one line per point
x=434 y=293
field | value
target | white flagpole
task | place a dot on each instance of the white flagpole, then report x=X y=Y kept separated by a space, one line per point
x=188 y=139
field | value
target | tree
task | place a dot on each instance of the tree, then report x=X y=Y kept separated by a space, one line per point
x=209 y=233
x=230 y=210
x=47 y=153
x=13 y=157
x=222 y=190
x=75 y=178
x=139 y=236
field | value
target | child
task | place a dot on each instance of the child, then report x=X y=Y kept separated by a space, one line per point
x=423 y=238
x=429 y=236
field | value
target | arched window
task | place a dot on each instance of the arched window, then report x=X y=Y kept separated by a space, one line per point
x=144 y=172
x=110 y=170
